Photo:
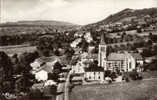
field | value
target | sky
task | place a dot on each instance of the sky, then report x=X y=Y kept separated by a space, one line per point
x=75 y=11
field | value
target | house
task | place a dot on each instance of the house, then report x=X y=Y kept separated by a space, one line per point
x=90 y=57
x=78 y=68
x=139 y=60
x=88 y=37
x=78 y=79
x=41 y=75
x=91 y=48
x=84 y=60
x=96 y=74
x=42 y=66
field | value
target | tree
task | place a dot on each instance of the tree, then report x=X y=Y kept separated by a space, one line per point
x=53 y=76
x=45 y=44
x=6 y=71
x=24 y=61
x=139 y=30
x=84 y=45
x=22 y=68
x=69 y=52
x=23 y=83
x=15 y=59
x=152 y=66
x=93 y=66
x=6 y=65
x=57 y=68
x=110 y=49
x=148 y=43
x=146 y=53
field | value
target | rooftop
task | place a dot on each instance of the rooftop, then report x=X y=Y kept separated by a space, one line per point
x=137 y=56
x=95 y=69
x=44 y=63
x=117 y=56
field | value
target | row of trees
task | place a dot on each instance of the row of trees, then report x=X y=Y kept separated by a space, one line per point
x=17 y=39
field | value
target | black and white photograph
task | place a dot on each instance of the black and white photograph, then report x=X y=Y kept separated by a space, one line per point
x=78 y=49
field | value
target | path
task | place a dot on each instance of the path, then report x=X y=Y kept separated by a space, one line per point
x=60 y=90
x=63 y=89
x=67 y=84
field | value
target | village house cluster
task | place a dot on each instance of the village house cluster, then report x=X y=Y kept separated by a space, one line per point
x=118 y=62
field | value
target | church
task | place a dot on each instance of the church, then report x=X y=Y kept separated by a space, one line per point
x=123 y=62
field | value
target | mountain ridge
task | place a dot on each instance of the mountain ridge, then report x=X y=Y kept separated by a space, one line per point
x=125 y=13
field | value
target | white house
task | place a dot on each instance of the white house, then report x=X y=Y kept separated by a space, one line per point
x=139 y=60
x=42 y=66
x=41 y=75
x=94 y=74
x=78 y=68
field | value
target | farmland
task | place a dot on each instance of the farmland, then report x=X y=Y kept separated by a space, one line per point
x=10 y=50
x=138 y=90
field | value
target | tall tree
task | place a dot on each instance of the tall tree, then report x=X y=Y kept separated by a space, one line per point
x=6 y=65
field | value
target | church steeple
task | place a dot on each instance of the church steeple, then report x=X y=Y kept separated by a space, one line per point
x=102 y=52
x=102 y=41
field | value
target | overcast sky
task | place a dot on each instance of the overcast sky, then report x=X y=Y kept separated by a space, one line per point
x=74 y=11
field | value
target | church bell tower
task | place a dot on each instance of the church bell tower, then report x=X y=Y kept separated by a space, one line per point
x=102 y=52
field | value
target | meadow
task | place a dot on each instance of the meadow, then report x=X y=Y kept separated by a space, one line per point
x=136 y=90
x=18 y=49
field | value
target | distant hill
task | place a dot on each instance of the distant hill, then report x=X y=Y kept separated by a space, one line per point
x=37 y=26
x=126 y=15
x=39 y=22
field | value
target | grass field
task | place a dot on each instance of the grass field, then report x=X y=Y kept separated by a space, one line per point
x=10 y=50
x=137 y=90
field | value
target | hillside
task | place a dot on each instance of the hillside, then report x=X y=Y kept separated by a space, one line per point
x=128 y=13
x=126 y=16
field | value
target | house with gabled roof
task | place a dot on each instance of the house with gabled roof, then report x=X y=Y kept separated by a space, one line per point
x=42 y=66
x=139 y=61
x=94 y=74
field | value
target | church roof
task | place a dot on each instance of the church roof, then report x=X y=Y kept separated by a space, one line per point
x=117 y=56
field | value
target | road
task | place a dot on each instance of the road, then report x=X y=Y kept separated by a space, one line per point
x=63 y=89
x=60 y=90
x=67 y=84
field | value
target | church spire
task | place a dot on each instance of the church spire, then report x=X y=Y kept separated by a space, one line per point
x=102 y=41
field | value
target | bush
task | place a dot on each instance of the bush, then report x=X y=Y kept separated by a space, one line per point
x=35 y=94
x=134 y=75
